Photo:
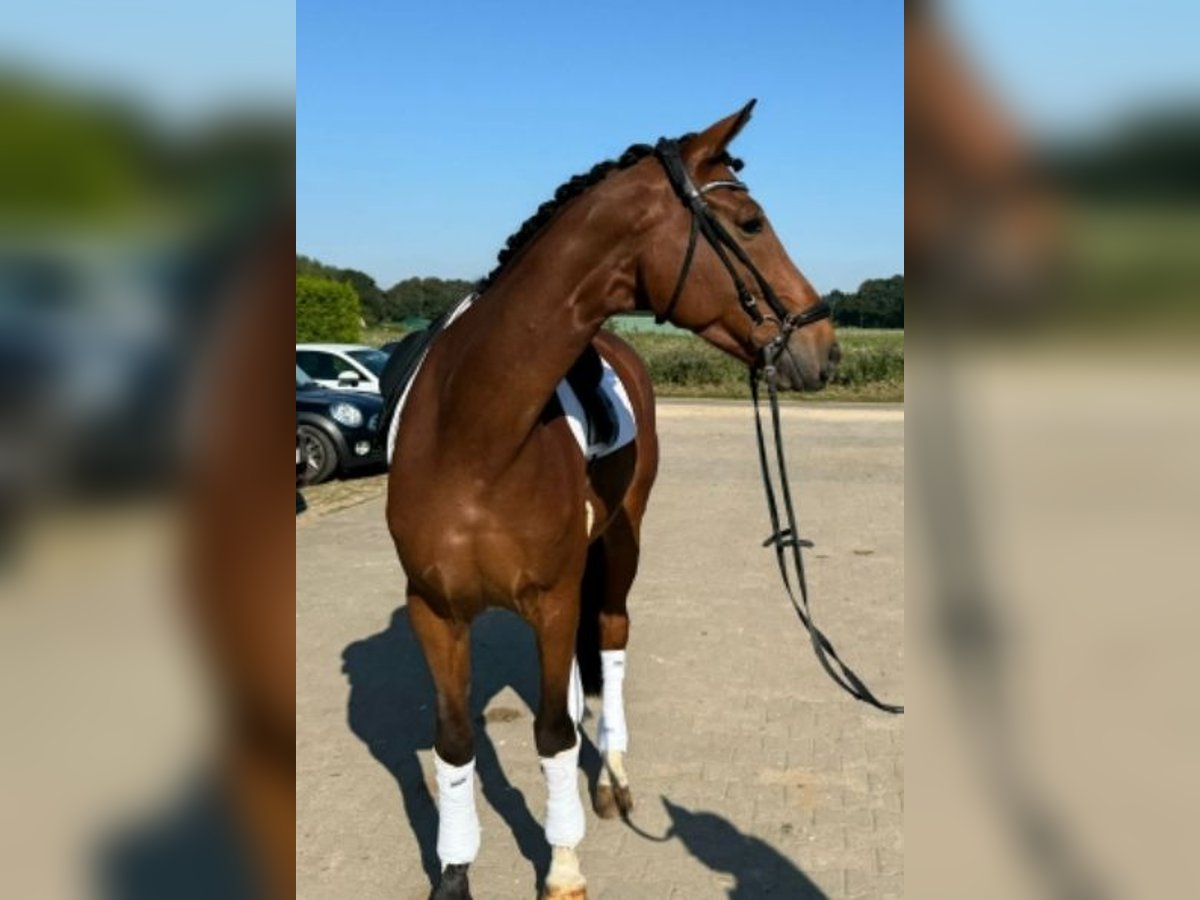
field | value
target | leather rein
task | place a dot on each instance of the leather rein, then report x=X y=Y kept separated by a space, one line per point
x=786 y=540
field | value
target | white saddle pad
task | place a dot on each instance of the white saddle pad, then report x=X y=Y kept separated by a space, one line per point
x=610 y=385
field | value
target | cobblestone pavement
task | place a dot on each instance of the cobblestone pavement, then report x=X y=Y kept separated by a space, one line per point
x=766 y=780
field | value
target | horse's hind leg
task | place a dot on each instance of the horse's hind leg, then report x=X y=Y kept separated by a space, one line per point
x=558 y=743
x=619 y=547
x=447 y=647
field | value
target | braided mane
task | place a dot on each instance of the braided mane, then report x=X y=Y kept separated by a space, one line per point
x=567 y=192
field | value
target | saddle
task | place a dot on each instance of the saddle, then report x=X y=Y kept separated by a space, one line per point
x=586 y=380
x=402 y=365
x=590 y=396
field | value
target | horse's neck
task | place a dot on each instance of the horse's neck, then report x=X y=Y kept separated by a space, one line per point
x=517 y=342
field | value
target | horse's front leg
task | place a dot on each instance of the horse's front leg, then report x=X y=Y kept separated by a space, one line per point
x=557 y=738
x=613 y=796
x=447 y=647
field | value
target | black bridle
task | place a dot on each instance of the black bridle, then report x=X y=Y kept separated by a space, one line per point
x=705 y=221
x=787 y=538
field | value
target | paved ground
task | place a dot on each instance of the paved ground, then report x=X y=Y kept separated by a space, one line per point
x=768 y=780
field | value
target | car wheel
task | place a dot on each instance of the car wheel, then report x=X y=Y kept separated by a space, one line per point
x=320 y=456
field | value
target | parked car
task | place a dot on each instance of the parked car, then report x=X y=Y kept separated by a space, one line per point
x=338 y=430
x=346 y=367
x=301 y=472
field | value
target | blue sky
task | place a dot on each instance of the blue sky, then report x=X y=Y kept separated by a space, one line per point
x=426 y=132
x=181 y=61
x=1076 y=66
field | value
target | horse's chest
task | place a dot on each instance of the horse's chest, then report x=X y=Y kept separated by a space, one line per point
x=491 y=553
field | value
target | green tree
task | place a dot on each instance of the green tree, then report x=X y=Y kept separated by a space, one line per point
x=878 y=303
x=883 y=302
x=837 y=302
x=371 y=298
x=326 y=310
x=426 y=298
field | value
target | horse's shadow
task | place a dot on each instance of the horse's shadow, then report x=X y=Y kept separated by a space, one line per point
x=392 y=710
x=758 y=869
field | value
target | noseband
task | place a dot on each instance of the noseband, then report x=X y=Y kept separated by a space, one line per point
x=705 y=221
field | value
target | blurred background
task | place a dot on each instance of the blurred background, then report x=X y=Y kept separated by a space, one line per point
x=146 y=580
x=146 y=196
x=1052 y=389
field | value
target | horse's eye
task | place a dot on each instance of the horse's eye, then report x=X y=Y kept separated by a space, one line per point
x=752 y=226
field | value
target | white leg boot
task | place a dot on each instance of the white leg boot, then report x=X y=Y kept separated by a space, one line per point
x=458 y=823
x=564 y=824
x=612 y=789
x=612 y=733
x=575 y=699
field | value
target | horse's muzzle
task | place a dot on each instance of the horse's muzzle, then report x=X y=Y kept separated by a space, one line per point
x=799 y=366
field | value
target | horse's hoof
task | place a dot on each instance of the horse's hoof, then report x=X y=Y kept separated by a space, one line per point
x=604 y=803
x=565 y=893
x=612 y=801
x=453 y=884
x=564 y=881
x=624 y=798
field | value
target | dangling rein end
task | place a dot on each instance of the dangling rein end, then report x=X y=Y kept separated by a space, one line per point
x=785 y=537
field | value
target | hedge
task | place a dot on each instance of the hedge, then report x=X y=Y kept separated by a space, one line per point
x=326 y=311
x=872 y=366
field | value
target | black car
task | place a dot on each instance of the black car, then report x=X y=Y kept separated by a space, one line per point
x=338 y=430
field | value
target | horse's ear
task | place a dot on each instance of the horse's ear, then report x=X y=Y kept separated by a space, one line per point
x=711 y=143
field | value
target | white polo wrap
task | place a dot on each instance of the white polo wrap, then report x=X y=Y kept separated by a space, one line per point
x=564 y=809
x=458 y=823
x=612 y=734
x=575 y=701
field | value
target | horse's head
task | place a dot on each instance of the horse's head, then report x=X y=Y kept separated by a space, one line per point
x=769 y=316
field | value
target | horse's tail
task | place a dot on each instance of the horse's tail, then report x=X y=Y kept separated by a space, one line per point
x=587 y=636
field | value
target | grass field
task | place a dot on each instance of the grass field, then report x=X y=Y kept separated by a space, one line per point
x=682 y=365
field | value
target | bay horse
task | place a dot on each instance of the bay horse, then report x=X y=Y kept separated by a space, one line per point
x=491 y=502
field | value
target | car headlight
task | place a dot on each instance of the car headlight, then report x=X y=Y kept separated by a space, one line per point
x=346 y=414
